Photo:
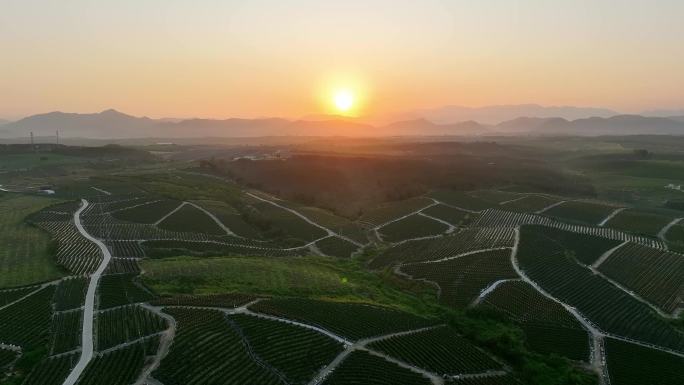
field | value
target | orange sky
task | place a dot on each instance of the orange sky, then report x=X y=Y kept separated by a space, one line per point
x=213 y=58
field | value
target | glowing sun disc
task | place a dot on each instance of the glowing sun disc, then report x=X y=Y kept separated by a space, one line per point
x=344 y=100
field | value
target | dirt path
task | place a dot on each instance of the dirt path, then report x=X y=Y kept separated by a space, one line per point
x=611 y=216
x=305 y=218
x=450 y=228
x=485 y=292
x=606 y=255
x=665 y=229
x=105 y=192
x=164 y=345
x=218 y=221
x=549 y=207
x=170 y=213
x=89 y=308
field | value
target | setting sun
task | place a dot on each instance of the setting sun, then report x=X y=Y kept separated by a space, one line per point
x=344 y=100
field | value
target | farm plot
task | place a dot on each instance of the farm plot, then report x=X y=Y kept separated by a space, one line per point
x=7 y=357
x=147 y=213
x=630 y=364
x=584 y=247
x=414 y=226
x=52 y=371
x=450 y=214
x=205 y=349
x=125 y=249
x=116 y=367
x=462 y=279
x=361 y=367
x=676 y=236
x=462 y=200
x=393 y=210
x=507 y=379
x=66 y=331
x=295 y=352
x=439 y=350
x=640 y=221
x=333 y=222
x=124 y=324
x=494 y=196
x=336 y=247
x=225 y=300
x=170 y=248
x=287 y=223
x=120 y=289
x=76 y=253
x=11 y=295
x=581 y=212
x=191 y=219
x=27 y=323
x=655 y=275
x=70 y=293
x=230 y=218
x=548 y=327
x=529 y=204
x=613 y=310
x=351 y=320
x=122 y=266
x=444 y=247
x=25 y=255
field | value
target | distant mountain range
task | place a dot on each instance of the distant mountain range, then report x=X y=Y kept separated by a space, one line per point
x=111 y=124
x=498 y=114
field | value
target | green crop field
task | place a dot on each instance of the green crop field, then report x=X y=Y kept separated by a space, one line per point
x=191 y=219
x=304 y=276
x=529 y=204
x=450 y=214
x=630 y=364
x=648 y=222
x=26 y=253
x=367 y=369
x=147 y=212
x=581 y=212
x=462 y=200
x=414 y=226
x=13 y=162
x=336 y=247
x=393 y=210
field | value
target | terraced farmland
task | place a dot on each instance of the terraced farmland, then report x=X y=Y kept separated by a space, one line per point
x=27 y=323
x=294 y=352
x=414 y=226
x=11 y=295
x=548 y=327
x=655 y=275
x=393 y=210
x=440 y=350
x=613 y=310
x=120 y=289
x=528 y=204
x=353 y=321
x=191 y=219
x=444 y=247
x=581 y=212
x=450 y=214
x=70 y=293
x=336 y=247
x=364 y=368
x=66 y=331
x=147 y=213
x=462 y=200
x=630 y=364
x=121 y=366
x=205 y=348
x=640 y=221
x=462 y=279
x=227 y=300
x=51 y=371
x=288 y=223
x=125 y=324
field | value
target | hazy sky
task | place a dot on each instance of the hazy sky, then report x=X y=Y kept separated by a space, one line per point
x=221 y=58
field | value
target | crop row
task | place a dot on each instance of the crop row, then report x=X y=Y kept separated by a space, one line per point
x=52 y=371
x=656 y=275
x=499 y=218
x=462 y=279
x=640 y=221
x=548 y=327
x=439 y=350
x=206 y=350
x=122 y=266
x=126 y=249
x=351 y=320
x=336 y=247
x=545 y=261
x=158 y=249
x=120 y=289
x=191 y=219
x=413 y=226
x=119 y=366
x=11 y=295
x=452 y=215
x=148 y=212
x=70 y=293
x=124 y=324
x=506 y=379
x=66 y=331
x=630 y=364
x=393 y=210
x=444 y=247
x=361 y=367
x=230 y=300
x=74 y=252
x=296 y=353
x=27 y=322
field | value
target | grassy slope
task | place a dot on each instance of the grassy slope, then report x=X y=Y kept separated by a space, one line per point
x=313 y=277
x=24 y=250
